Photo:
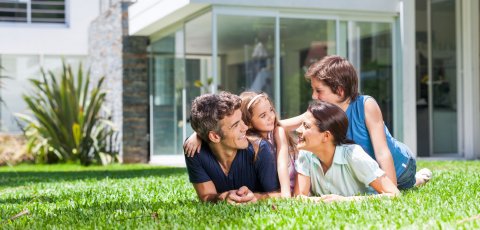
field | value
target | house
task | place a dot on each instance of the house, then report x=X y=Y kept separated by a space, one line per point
x=418 y=58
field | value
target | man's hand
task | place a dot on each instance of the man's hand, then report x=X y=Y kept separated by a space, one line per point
x=242 y=195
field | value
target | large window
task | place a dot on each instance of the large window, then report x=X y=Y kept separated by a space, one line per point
x=238 y=50
x=246 y=51
x=371 y=51
x=32 y=11
x=180 y=70
x=165 y=62
x=317 y=40
x=436 y=68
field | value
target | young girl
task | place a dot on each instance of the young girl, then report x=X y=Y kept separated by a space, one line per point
x=329 y=166
x=260 y=117
x=334 y=79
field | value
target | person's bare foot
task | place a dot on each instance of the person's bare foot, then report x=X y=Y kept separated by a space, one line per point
x=423 y=176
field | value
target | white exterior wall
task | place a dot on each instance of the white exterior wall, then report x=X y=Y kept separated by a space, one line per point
x=51 y=39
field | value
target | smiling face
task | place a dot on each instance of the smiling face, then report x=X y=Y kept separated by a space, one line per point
x=310 y=138
x=234 y=132
x=320 y=91
x=263 y=116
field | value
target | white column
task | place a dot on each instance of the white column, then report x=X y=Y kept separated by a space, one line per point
x=471 y=83
x=407 y=53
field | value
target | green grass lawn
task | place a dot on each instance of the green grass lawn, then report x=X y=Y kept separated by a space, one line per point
x=140 y=196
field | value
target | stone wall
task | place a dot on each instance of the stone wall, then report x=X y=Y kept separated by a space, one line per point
x=135 y=100
x=123 y=60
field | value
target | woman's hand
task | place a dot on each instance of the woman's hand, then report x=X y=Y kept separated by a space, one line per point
x=333 y=198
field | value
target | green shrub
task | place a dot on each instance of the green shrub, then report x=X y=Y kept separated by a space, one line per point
x=67 y=125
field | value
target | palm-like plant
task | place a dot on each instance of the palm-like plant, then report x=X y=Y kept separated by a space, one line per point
x=67 y=124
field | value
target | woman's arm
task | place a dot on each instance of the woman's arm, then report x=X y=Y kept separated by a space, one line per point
x=376 y=129
x=302 y=188
x=291 y=124
x=282 y=160
x=302 y=185
x=383 y=185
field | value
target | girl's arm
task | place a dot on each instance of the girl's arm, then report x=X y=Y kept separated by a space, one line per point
x=376 y=129
x=291 y=124
x=192 y=145
x=282 y=160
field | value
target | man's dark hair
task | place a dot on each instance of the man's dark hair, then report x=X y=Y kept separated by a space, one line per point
x=336 y=72
x=209 y=109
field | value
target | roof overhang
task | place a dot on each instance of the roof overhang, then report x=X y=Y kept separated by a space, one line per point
x=149 y=16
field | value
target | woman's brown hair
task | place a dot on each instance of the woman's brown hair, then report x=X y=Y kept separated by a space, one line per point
x=332 y=118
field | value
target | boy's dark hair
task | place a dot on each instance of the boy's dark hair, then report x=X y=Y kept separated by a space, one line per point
x=209 y=109
x=337 y=73
x=330 y=117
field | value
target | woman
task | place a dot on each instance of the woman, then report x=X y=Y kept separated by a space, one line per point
x=330 y=166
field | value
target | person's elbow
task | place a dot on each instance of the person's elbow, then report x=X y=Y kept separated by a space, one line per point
x=393 y=193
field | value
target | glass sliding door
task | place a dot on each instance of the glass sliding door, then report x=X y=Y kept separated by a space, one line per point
x=167 y=76
x=246 y=52
x=302 y=42
x=370 y=49
x=181 y=70
x=198 y=64
x=444 y=77
x=436 y=64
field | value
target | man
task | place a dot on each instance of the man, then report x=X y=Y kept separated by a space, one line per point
x=227 y=167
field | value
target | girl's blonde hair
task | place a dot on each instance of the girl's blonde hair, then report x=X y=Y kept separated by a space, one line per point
x=249 y=101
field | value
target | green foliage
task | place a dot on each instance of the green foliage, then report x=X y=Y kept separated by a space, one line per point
x=149 y=197
x=67 y=125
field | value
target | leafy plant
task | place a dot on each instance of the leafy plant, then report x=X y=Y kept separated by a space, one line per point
x=67 y=125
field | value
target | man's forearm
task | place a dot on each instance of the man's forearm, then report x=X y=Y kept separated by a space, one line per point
x=214 y=198
x=266 y=195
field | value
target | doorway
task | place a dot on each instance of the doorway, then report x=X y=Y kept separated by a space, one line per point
x=437 y=78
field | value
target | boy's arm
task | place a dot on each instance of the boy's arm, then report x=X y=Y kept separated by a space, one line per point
x=282 y=160
x=293 y=123
x=376 y=129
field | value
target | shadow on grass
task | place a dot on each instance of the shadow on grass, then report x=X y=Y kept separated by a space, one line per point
x=11 y=179
x=117 y=214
